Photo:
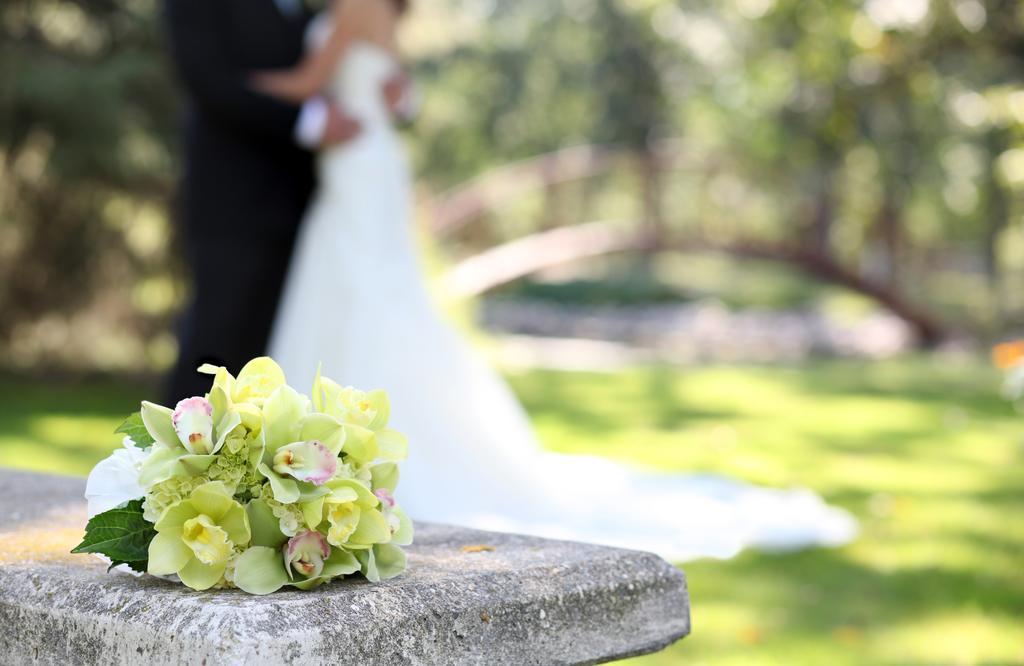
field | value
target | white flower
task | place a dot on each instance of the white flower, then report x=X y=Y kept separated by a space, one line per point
x=115 y=479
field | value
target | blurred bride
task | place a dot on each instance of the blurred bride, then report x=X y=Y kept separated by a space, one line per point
x=356 y=302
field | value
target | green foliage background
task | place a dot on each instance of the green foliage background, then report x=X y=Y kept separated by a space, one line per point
x=887 y=133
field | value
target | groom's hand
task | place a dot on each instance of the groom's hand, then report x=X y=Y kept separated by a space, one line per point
x=340 y=127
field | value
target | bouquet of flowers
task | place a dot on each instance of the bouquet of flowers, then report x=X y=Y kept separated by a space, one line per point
x=254 y=486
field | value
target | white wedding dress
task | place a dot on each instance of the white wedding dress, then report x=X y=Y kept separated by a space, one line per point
x=355 y=301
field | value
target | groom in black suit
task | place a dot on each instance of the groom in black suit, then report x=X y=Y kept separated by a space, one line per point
x=248 y=174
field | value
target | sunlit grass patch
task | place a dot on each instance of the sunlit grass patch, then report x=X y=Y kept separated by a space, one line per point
x=923 y=451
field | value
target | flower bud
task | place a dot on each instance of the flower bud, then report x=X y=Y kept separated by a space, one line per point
x=305 y=553
x=385 y=497
x=306 y=461
x=193 y=422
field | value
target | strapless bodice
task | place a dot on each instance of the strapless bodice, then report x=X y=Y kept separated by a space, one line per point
x=358 y=80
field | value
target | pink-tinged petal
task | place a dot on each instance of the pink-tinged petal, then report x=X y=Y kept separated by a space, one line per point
x=387 y=506
x=193 y=422
x=306 y=461
x=305 y=553
x=385 y=497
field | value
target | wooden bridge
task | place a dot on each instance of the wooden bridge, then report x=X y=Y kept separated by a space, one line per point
x=455 y=212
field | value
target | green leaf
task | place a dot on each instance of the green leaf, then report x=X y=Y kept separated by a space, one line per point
x=136 y=429
x=122 y=534
x=138 y=566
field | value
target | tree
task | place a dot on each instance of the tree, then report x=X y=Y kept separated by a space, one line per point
x=87 y=124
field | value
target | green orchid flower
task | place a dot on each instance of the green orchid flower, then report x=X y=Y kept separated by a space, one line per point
x=305 y=554
x=365 y=416
x=367 y=409
x=247 y=393
x=283 y=414
x=305 y=561
x=220 y=397
x=186 y=439
x=350 y=513
x=300 y=447
x=266 y=528
x=384 y=475
x=197 y=536
x=398 y=522
x=256 y=382
x=381 y=562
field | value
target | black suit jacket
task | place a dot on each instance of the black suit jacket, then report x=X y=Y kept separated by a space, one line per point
x=246 y=183
x=244 y=176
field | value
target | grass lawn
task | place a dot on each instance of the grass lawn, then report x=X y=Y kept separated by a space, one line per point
x=923 y=451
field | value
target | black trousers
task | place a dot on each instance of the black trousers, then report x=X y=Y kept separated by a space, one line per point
x=235 y=293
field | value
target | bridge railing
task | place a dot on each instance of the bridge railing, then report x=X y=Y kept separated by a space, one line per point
x=501 y=260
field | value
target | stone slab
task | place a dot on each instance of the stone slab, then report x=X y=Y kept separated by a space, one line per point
x=527 y=601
